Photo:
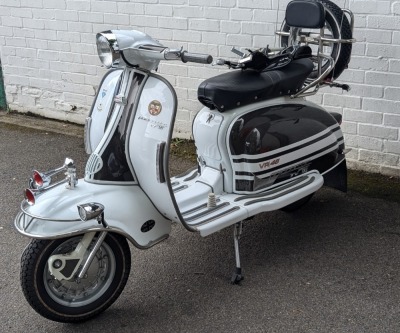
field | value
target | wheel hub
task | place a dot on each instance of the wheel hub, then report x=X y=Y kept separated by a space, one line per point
x=79 y=292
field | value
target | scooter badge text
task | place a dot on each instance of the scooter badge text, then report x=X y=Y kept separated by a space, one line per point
x=267 y=164
x=154 y=124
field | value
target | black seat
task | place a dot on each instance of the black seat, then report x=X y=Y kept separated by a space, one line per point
x=238 y=88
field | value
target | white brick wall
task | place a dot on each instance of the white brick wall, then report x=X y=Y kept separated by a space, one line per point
x=50 y=66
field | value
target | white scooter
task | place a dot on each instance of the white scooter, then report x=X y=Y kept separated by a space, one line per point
x=261 y=147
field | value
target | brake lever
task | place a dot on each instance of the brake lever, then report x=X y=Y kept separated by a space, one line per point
x=238 y=52
x=220 y=62
x=230 y=64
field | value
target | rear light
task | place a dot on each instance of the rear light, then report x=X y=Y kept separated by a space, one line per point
x=29 y=196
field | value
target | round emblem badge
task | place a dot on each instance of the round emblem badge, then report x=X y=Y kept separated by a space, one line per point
x=155 y=108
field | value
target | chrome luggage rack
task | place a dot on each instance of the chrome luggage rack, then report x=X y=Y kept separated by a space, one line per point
x=321 y=41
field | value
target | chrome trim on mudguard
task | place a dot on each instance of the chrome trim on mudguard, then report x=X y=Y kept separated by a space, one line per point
x=21 y=228
x=23 y=221
x=25 y=205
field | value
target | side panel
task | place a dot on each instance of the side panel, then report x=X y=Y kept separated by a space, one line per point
x=278 y=142
x=102 y=106
x=148 y=143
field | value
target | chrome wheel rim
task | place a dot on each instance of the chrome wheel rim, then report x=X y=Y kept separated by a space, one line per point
x=78 y=293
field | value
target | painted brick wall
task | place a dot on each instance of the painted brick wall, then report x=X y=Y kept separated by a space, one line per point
x=50 y=63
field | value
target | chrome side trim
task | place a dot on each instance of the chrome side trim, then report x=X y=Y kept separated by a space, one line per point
x=272 y=191
x=311 y=180
x=86 y=135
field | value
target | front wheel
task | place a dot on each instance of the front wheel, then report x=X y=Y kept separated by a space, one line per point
x=74 y=300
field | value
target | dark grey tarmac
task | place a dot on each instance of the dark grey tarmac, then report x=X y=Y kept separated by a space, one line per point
x=333 y=266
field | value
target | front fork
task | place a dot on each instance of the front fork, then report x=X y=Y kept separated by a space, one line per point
x=66 y=266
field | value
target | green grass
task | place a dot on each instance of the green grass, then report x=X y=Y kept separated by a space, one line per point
x=374 y=185
x=184 y=149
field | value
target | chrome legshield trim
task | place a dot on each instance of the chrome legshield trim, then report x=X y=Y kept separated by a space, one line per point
x=86 y=135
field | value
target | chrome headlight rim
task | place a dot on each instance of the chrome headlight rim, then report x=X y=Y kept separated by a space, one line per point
x=107 y=48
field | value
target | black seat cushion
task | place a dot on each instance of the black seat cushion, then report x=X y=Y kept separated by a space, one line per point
x=238 y=88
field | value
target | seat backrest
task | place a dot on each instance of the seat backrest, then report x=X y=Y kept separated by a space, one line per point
x=305 y=14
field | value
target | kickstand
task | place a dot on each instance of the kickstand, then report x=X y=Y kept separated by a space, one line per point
x=237 y=275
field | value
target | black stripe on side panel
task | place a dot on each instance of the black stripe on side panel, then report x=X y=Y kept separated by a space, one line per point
x=243 y=173
x=257 y=160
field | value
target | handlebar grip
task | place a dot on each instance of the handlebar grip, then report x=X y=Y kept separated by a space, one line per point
x=196 y=57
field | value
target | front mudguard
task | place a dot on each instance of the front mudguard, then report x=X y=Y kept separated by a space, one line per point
x=128 y=211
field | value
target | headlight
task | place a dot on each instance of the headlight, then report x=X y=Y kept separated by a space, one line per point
x=107 y=48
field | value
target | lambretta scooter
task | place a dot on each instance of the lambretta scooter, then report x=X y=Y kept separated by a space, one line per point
x=261 y=147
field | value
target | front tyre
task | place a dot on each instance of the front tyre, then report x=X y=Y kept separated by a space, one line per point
x=73 y=300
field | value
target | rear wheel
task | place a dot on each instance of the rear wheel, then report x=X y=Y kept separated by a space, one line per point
x=336 y=26
x=297 y=204
x=74 y=300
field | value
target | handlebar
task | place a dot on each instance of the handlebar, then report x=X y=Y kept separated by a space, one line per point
x=185 y=56
x=196 y=57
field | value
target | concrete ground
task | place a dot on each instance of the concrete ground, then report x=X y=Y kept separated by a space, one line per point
x=333 y=266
